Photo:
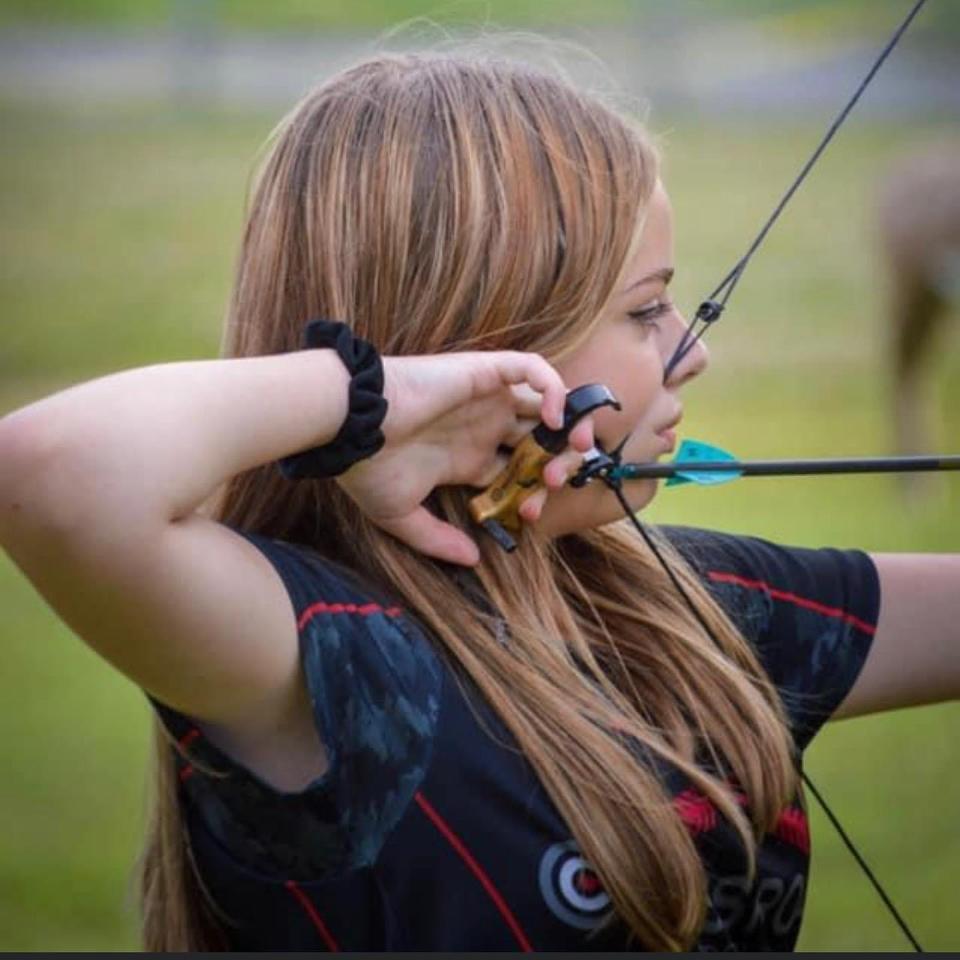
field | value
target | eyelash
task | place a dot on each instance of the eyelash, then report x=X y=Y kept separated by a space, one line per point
x=651 y=314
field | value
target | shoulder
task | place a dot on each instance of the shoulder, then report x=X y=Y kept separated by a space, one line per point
x=809 y=613
x=374 y=682
x=826 y=581
x=351 y=629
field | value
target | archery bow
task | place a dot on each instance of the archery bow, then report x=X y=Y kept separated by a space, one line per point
x=497 y=507
x=610 y=469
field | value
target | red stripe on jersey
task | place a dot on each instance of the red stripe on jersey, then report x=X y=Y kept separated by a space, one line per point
x=696 y=811
x=700 y=815
x=362 y=610
x=793 y=828
x=186 y=771
x=311 y=912
x=719 y=576
x=476 y=870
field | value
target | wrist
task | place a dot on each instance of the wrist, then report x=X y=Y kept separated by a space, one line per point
x=328 y=385
x=359 y=435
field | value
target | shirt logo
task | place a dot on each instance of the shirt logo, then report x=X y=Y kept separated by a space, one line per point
x=571 y=888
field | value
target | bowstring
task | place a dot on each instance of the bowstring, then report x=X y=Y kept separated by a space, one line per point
x=706 y=315
x=709 y=311
x=617 y=487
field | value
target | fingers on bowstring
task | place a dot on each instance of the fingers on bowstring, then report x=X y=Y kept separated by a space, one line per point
x=433 y=537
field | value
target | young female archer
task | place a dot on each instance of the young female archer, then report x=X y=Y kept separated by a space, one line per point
x=377 y=730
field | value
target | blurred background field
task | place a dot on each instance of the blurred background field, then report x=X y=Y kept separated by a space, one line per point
x=808 y=17
x=120 y=212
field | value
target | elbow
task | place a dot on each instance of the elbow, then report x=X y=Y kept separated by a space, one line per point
x=33 y=494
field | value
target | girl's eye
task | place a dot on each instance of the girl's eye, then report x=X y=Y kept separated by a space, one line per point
x=651 y=313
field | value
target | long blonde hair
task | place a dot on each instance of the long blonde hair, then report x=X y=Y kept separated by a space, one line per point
x=437 y=203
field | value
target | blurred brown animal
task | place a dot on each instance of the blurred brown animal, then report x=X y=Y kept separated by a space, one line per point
x=919 y=228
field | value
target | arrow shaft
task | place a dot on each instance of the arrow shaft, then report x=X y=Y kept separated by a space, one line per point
x=775 y=468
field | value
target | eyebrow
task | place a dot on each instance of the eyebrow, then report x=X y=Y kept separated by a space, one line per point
x=664 y=273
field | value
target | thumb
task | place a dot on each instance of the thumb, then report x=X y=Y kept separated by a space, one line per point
x=434 y=537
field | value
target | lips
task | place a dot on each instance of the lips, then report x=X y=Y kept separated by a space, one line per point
x=668 y=434
x=669 y=438
x=669 y=426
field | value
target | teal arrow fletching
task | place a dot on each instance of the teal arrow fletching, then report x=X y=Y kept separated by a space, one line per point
x=695 y=451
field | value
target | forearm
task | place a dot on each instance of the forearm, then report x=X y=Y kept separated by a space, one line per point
x=154 y=442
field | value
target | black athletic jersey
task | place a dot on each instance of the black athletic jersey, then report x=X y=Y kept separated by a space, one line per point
x=430 y=831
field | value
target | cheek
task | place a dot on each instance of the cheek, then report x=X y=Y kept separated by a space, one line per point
x=571 y=511
x=627 y=362
x=646 y=382
x=635 y=381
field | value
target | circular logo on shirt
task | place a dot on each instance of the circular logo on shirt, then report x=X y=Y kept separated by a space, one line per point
x=571 y=888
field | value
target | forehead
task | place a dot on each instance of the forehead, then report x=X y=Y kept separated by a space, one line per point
x=655 y=247
x=652 y=247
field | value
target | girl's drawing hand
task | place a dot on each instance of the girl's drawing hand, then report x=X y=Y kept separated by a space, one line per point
x=449 y=416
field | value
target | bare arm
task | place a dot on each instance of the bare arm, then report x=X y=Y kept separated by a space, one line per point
x=99 y=497
x=915 y=655
x=97 y=507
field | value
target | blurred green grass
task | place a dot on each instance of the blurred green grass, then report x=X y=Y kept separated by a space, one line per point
x=118 y=230
x=804 y=20
x=303 y=14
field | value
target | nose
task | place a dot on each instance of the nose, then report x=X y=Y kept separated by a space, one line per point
x=695 y=358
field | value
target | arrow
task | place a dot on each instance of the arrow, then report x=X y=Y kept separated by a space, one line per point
x=706 y=465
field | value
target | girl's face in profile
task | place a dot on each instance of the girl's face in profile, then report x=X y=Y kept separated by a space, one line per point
x=628 y=351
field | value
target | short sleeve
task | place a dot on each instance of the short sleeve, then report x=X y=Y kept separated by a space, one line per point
x=810 y=614
x=374 y=684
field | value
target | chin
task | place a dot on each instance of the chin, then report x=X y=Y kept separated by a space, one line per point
x=638 y=494
x=573 y=511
